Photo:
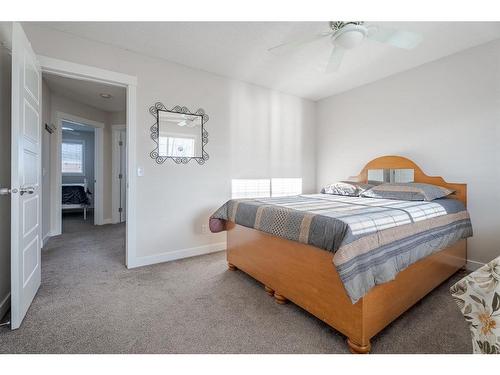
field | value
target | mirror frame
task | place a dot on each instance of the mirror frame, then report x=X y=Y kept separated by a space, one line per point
x=154 y=110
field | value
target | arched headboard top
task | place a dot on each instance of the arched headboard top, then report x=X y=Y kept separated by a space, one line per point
x=399 y=162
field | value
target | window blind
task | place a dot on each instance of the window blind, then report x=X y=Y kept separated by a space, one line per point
x=281 y=187
x=72 y=158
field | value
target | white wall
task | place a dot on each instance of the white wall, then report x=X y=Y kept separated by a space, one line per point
x=444 y=115
x=253 y=132
x=5 y=126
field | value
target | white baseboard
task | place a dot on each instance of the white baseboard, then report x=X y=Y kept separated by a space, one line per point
x=46 y=238
x=177 y=254
x=107 y=221
x=54 y=233
x=4 y=306
x=472 y=265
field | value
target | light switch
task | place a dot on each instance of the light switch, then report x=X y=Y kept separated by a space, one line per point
x=140 y=171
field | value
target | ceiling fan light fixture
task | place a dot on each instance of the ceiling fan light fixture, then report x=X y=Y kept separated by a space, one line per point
x=105 y=95
x=350 y=36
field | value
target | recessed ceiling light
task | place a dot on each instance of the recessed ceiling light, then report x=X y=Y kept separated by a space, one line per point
x=65 y=128
x=105 y=96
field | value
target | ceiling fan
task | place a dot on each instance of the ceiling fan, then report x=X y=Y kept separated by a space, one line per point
x=348 y=35
x=188 y=121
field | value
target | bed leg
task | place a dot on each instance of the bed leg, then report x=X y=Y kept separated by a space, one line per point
x=280 y=299
x=84 y=213
x=357 y=348
x=269 y=290
x=232 y=267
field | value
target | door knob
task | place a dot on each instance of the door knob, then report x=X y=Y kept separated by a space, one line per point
x=7 y=191
x=28 y=189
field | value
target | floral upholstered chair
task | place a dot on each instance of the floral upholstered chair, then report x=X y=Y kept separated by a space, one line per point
x=478 y=297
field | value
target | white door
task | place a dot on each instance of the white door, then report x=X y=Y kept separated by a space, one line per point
x=25 y=176
x=123 y=175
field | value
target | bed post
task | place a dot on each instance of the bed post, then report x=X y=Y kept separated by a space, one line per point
x=358 y=337
x=359 y=348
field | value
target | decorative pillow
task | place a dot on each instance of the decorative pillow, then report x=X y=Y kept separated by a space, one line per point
x=411 y=191
x=346 y=188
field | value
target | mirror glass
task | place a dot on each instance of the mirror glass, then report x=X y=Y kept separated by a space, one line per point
x=179 y=135
x=391 y=175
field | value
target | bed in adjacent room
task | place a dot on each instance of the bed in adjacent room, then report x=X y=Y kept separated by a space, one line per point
x=76 y=196
x=355 y=259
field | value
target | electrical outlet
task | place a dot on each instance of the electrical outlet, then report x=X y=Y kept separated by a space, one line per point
x=204 y=228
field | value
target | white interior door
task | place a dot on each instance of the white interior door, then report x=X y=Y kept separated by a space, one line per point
x=25 y=176
x=123 y=174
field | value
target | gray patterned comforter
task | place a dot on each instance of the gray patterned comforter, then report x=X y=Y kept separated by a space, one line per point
x=372 y=239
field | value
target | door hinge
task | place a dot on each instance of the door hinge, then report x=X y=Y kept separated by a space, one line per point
x=120 y=143
x=120 y=176
x=120 y=209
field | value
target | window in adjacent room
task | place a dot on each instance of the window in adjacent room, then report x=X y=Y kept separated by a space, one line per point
x=72 y=155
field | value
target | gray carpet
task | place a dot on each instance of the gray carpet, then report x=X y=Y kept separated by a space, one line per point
x=90 y=303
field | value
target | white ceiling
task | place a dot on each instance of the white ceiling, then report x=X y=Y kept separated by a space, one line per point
x=87 y=92
x=239 y=49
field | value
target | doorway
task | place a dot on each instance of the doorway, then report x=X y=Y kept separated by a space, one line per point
x=79 y=162
x=85 y=73
x=26 y=183
x=25 y=190
x=82 y=113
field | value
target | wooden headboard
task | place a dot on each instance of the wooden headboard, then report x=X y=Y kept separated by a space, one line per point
x=399 y=162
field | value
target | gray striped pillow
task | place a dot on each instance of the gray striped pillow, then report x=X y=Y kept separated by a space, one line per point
x=412 y=191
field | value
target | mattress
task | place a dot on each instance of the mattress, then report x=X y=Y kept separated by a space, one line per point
x=74 y=194
x=371 y=239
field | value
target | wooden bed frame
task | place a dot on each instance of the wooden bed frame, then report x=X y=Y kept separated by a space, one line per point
x=306 y=275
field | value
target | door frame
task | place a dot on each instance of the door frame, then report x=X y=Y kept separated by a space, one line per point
x=115 y=163
x=98 y=168
x=90 y=73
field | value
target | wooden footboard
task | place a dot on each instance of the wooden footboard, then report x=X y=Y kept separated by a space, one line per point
x=307 y=276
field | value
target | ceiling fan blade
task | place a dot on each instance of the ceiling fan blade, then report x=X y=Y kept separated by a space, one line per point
x=288 y=46
x=396 y=38
x=335 y=59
